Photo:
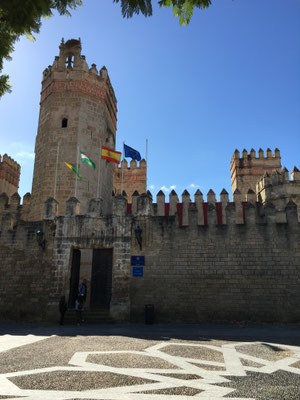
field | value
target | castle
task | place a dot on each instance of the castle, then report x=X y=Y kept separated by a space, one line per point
x=194 y=260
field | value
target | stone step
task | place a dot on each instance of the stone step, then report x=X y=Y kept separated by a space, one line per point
x=97 y=316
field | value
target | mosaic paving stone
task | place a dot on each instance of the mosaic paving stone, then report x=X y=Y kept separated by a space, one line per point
x=264 y=351
x=296 y=364
x=182 y=376
x=211 y=342
x=201 y=353
x=129 y=361
x=11 y=397
x=75 y=380
x=181 y=390
x=131 y=368
x=48 y=352
x=280 y=385
x=209 y=367
x=249 y=363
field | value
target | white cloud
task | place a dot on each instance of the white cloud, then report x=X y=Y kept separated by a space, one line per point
x=25 y=154
x=192 y=185
x=151 y=187
x=167 y=189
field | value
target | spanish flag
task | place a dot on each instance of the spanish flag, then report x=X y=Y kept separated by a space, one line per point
x=111 y=155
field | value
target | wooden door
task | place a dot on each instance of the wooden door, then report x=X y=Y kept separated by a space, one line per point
x=74 y=279
x=101 y=283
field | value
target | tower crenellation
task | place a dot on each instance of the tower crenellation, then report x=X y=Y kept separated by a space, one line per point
x=10 y=172
x=279 y=189
x=246 y=170
x=134 y=177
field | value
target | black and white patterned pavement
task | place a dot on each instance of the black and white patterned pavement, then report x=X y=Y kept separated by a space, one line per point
x=159 y=362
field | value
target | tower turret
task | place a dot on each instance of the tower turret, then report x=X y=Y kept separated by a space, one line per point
x=247 y=170
x=78 y=113
x=9 y=175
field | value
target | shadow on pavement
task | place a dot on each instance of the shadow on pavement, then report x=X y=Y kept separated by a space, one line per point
x=288 y=334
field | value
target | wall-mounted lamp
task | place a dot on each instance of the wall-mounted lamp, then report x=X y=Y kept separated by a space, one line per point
x=40 y=239
x=138 y=235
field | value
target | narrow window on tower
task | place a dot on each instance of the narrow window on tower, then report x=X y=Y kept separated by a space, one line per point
x=64 y=123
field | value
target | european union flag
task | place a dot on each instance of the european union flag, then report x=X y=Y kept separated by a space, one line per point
x=130 y=152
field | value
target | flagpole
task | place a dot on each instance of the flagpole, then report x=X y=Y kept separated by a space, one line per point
x=77 y=170
x=122 y=164
x=56 y=167
x=98 y=183
x=146 y=162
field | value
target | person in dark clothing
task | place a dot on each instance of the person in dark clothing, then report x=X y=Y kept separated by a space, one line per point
x=83 y=290
x=62 y=309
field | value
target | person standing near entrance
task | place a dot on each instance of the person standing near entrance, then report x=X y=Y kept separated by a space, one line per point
x=83 y=290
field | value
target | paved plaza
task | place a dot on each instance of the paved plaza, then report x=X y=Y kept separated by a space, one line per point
x=150 y=362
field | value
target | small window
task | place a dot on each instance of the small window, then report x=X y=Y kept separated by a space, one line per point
x=64 y=123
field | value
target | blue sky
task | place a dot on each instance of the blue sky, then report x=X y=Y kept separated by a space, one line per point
x=229 y=80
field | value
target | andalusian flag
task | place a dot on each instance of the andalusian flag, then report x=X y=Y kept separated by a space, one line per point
x=74 y=169
x=111 y=155
x=85 y=159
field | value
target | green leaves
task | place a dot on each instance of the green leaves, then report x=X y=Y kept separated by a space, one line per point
x=4 y=85
x=181 y=8
x=30 y=37
x=184 y=8
x=131 y=7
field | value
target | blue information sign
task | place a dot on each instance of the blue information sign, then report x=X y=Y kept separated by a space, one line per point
x=137 y=271
x=137 y=260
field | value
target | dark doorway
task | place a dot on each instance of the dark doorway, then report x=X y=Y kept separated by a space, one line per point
x=74 y=279
x=101 y=282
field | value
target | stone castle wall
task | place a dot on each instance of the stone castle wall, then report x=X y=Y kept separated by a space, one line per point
x=28 y=272
x=213 y=260
x=9 y=175
x=198 y=268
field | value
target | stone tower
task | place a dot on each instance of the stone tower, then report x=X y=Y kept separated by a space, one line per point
x=78 y=112
x=9 y=175
x=134 y=178
x=247 y=170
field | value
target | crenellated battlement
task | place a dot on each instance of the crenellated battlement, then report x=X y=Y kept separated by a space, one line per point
x=10 y=162
x=9 y=175
x=12 y=206
x=252 y=154
x=279 y=188
x=246 y=168
x=186 y=212
x=197 y=211
x=134 y=178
